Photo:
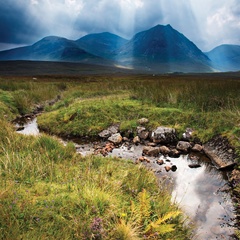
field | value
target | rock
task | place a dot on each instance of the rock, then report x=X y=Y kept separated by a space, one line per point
x=193 y=157
x=174 y=153
x=109 y=131
x=183 y=146
x=217 y=150
x=129 y=134
x=151 y=151
x=194 y=165
x=142 y=133
x=115 y=138
x=143 y=121
x=151 y=144
x=21 y=120
x=174 y=168
x=142 y=159
x=187 y=135
x=38 y=108
x=164 y=150
x=140 y=129
x=160 y=162
x=197 y=148
x=147 y=160
x=20 y=129
x=136 y=140
x=168 y=168
x=104 y=150
x=164 y=135
x=125 y=139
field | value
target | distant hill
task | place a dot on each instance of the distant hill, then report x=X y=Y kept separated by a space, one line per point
x=158 y=49
x=166 y=47
x=225 y=57
x=101 y=44
x=50 y=48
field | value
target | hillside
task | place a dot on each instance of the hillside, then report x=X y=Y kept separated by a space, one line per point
x=225 y=57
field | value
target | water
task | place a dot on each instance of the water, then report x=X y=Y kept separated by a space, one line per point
x=30 y=128
x=202 y=196
x=200 y=192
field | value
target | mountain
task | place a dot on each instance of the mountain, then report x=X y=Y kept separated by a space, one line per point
x=101 y=44
x=162 y=47
x=158 y=49
x=225 y=57
x=50 y=48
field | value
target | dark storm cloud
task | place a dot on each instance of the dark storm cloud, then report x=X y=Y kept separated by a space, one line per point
x=17 y=25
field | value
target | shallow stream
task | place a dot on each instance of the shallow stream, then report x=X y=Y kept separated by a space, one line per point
x=202 y=193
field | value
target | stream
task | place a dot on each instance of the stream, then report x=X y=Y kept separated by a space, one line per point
x=202 y=193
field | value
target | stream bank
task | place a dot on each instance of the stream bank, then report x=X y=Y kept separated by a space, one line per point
x=202 y=191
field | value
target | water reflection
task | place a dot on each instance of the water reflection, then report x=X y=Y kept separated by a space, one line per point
x=198 y=191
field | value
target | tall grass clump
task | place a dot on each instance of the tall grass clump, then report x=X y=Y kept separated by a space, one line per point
x=21 y=95
x=199 y=94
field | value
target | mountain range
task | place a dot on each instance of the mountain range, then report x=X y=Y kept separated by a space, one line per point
x=158 y=49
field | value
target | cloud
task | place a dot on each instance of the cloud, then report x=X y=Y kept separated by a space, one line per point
x=206 y=22
x=223 y=26
x=16 y=24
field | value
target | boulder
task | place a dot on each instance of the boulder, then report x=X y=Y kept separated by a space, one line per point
x=174 y=153
x=115 y=138
x=151 y=151
x=164 y=150
x=187 y=135
x=197 y=148
x=109 y=131
x=142 y=133
x=164 y=135
x=136 y=140
x=217 y=149
x=194 y=165
x=183 y=146
x=143 y=121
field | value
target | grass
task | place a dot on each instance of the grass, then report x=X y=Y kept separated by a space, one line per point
x=209 y=105
x=47 y=191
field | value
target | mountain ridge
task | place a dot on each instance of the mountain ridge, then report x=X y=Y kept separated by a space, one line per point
x=159 y=49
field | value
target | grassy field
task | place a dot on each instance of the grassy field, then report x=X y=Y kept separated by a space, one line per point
x=210 y=104
x=48 y=191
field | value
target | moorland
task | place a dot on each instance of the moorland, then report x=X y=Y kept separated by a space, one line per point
x=48 y=191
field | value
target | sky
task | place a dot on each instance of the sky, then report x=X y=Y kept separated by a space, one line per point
x=207 y=23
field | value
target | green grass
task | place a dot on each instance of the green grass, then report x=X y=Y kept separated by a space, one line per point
x=210 y=106
x=21 y=96
x=47 y=191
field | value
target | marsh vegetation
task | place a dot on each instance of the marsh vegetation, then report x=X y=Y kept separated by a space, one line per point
x=48 y=191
